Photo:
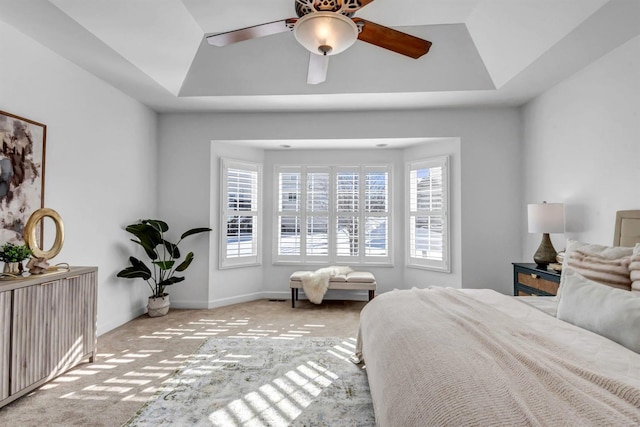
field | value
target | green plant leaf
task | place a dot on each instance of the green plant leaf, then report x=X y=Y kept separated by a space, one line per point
x=170 y=281
x=164 y=265
x=138 y=269
x=160 y=226
x=145 y=231
x=172 y=248
x=194 y=231
x=151 y=253
x=148 y=236
x=184 y=264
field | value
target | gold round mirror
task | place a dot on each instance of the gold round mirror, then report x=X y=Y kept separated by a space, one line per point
x=31 y=240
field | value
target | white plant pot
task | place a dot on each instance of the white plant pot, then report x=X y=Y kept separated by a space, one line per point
x=158 y=307
x=14 y=268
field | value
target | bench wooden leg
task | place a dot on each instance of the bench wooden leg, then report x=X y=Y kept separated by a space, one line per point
x=293 y=297
x=372 y=295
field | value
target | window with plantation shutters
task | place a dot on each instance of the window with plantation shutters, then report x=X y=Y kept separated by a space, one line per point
x=428 y=235
x=340 y=214
x=241 y=188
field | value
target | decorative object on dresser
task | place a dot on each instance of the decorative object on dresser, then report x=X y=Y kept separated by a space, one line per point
x=30 y=233
x=22 y=160
x=164 y=256
x=545 y=218
x=39 y=263
x=529 y=279
x=12 y=255
x=47 y=326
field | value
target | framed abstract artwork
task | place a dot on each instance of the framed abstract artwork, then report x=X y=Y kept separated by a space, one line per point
x=22 y=159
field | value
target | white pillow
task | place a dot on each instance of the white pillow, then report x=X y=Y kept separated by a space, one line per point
x=610 y=312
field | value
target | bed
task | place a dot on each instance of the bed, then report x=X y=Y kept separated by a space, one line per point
x=442 y=356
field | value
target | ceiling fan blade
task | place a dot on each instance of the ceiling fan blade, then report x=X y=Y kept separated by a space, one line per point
x=248 y=33
x=318 y=65
x=396 y=41
x=363 y=3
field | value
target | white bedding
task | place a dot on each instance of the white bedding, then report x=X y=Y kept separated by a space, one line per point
x=546 y=304
x=440 y=364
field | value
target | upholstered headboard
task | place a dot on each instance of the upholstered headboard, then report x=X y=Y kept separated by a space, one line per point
x=627 y=231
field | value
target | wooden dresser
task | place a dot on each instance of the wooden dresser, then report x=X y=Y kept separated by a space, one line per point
x=47 y=326
x=528 y=279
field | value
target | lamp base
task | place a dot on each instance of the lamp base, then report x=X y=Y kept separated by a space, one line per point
x=546 y=253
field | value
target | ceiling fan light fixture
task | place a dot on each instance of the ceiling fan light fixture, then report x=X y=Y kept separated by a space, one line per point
x=325 y=33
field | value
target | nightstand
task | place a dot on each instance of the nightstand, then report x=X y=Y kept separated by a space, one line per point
x=528 y=280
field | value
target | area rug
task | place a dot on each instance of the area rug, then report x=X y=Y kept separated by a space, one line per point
x=264 y=382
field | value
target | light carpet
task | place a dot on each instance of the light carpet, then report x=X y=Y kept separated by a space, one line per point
x=264 y=382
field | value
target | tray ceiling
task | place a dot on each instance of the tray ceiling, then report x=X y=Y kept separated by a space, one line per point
x=490 y=52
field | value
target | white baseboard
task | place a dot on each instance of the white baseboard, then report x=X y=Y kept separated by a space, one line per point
x=103 y=328
x=221 y=302
x=280 y=295
x=189 y=305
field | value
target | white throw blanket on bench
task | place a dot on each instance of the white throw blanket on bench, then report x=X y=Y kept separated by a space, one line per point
x=316 y=283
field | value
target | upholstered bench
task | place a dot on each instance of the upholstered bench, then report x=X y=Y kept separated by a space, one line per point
x=355 y=280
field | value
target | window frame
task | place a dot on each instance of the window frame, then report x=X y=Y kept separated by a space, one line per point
x=443 y=265
x=332 y=215
x=255 y=258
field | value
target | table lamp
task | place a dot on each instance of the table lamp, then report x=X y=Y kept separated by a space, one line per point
x=545 y=218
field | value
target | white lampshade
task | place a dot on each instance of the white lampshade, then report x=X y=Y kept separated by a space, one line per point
x=546 y=217
x=325 y=33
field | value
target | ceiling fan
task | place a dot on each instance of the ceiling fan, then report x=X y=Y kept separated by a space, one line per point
x=325 y=28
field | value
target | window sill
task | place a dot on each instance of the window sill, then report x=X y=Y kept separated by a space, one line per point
x=228 y=267
x=326 y=263
x=430 y=268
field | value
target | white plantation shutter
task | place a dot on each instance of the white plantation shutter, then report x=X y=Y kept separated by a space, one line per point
x=376 y=209
x=317 y=196
x=342 y=215
x=348 y=214
x=428 y=228
x=289 y=216
x=240 y=226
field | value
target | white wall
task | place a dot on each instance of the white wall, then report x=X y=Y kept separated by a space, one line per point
x=582 y=148
x=100 y=163
x=490 y=180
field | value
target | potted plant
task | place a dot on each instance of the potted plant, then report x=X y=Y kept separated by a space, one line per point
x=165 y=261
x=13 y=255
